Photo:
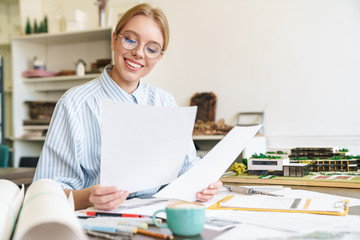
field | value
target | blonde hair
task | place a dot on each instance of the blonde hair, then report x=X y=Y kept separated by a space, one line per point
x=145 y=9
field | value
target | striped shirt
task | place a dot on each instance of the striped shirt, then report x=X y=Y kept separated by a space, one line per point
x=71 y=152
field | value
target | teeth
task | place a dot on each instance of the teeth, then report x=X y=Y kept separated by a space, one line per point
x=133 y=64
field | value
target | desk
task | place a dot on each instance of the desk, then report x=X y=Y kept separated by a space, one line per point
x=18 y=175
x=210 y=234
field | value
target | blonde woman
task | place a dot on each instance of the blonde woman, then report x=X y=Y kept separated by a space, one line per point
x=71 y=152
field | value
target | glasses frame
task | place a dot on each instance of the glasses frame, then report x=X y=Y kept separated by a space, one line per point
x=161 y=51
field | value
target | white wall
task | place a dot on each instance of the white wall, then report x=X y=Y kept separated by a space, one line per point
x=298 y=60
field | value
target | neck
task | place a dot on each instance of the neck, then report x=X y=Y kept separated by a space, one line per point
x=127 y=86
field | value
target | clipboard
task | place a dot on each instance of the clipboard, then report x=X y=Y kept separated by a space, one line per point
x=340 y=204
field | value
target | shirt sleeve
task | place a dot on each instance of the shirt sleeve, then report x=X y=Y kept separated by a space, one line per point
x=61 y=154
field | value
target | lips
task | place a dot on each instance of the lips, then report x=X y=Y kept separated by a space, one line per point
x=132 y=64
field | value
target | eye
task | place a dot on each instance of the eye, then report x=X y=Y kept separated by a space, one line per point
x=152 y=48
x=129 y=40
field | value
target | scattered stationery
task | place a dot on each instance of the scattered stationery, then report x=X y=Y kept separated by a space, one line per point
x=283 y=204
x=210 y=168
x=154 y=138
x=45 y=211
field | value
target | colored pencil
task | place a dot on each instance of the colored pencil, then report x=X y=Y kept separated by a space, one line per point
x=154 y=234
x=108 y=214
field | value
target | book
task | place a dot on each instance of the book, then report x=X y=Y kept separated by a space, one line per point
x=43 y=212
x=284 y=204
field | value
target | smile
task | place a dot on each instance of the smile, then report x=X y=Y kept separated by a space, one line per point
x=132 y=64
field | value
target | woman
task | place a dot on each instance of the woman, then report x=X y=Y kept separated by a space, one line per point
x=71 y=152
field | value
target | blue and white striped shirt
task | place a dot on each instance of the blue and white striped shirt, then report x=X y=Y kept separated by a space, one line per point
x=71 y=152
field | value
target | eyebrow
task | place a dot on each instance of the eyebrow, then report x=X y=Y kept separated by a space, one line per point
x=138 y=35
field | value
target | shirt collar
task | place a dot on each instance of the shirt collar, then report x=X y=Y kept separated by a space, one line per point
x=115 y=92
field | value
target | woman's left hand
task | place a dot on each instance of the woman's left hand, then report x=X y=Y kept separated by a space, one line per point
x=208 y=193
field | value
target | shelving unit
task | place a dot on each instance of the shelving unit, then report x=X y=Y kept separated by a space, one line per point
x=57 y=83
x=59 y=51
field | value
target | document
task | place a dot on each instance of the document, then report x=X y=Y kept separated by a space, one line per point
x=210 y=168
x=143 y=146
x=284 y=204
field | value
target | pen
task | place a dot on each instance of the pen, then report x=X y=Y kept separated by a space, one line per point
x=249 y=191
x=112 y=222
x=147 y=220
x=102 y=235
x=155 y=234
x=100 y=227
x=108 y=214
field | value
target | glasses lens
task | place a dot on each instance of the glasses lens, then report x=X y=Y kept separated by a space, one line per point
x=129 y=41
x=152 y=50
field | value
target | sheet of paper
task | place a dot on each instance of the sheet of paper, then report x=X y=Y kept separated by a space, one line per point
x=211 y=167
x=301 y=223
x=310 y=194
x=285 y=203
x=47 y=214
x=11 y=197
x=143 y=146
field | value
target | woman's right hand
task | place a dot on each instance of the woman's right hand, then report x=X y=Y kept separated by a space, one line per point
x=107 y=198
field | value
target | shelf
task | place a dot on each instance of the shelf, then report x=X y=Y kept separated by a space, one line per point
x=58 y=83
x=67 y=37
x=31 y=139
x=207 y=137
x=5 y=44
x=35 y=127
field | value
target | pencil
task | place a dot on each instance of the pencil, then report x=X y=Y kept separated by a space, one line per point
x=109 y=214
x=154 y=234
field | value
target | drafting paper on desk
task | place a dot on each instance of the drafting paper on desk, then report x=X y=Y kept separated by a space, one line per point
x=143 y=146
x=46 y=214
x=11 y=197
x=211 y=167
x=284 y=204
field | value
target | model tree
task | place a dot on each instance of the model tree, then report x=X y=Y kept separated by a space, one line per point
x=28 y=27
x=36 y=28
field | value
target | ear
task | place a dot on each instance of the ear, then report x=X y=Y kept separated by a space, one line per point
x=113 y=40
x=160 y=57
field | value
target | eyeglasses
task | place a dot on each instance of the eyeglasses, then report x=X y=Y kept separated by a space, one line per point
x=130 y=42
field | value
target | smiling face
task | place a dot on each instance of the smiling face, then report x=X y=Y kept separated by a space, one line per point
x=131 y=65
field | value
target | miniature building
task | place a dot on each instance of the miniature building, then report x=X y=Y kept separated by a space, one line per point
x=266 y=166
x=311 y=153
x=296 y=170
x=341 y=165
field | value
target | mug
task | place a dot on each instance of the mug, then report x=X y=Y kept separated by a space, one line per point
x=183 y=218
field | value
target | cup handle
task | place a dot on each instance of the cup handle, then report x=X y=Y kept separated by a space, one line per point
x=154 y=219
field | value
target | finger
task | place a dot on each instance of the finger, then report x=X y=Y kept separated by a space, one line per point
x=102 y=190
x=203 y=198
x=103 y=199
x=111 y=205
x=216 y=185
x=210 y=191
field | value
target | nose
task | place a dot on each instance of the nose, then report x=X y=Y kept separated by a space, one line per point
x=138 y=52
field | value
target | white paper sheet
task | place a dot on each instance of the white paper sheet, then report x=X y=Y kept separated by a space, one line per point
x=11 y=197
x=285 y=203
x=211 y=167
x=143 y=146
x=302 y=223
x=47 y=214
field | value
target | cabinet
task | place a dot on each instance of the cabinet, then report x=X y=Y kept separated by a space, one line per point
x=59 y=51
